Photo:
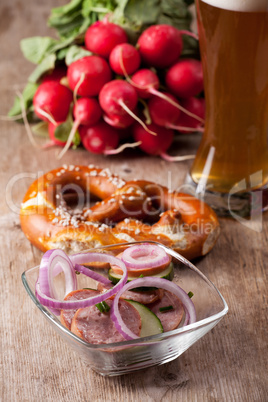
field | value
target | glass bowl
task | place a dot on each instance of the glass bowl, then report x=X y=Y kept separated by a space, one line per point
x=128 y=356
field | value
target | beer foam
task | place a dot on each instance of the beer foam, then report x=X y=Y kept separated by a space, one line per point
x=239 y=5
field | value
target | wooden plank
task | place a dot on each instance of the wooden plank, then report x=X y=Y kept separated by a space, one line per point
x=228 y=364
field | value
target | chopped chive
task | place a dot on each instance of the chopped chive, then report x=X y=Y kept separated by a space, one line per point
x=166 y=308
x=103 y=307
x=190 y=294
x=141 y=276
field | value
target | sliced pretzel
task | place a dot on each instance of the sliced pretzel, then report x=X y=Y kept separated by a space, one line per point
x=137 y=210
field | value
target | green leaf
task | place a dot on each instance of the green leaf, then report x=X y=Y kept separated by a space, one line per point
x=142 y=13
x=27 y=96
x=63 y=130
x=69 y=8
x=40 y=129
x=100 y=7
x=68 y=20
x=35 y=49
x=47 y=64
x=74 y=53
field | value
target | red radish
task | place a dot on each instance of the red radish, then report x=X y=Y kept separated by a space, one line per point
x=56 y=75
x=102 y=36
x=153 y=145
x=117 y=94
x=118 y=97
x=186 y=123
x=147 y=83
x=160 y=45
x=86 y=76
x=119 y=121
x=87 y=111
x=100 y=138
x=52 y=101
x=185 y=78
x=124 y=59
x=162 y=112
x=159 y=144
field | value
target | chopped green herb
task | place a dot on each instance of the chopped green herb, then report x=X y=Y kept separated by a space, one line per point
x=166 y=308
x=103 y=307
x=190 y=294
x=141 y=276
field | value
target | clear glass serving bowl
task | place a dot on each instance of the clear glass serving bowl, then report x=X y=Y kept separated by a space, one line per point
x=128 y=356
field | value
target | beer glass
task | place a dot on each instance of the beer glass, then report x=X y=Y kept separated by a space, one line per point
x=232 y=160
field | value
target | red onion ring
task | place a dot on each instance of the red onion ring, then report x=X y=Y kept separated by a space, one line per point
x=47 y=299
x=44 y=277
x=91 y=274
x=59 y=257
x=145 y=256
x=159 y=283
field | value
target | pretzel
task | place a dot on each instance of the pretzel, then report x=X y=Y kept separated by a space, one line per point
x=58 y=212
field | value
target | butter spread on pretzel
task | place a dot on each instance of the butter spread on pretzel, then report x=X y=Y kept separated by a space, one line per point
x=57 y=212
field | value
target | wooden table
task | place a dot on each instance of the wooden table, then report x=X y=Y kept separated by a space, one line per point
x=228 y=364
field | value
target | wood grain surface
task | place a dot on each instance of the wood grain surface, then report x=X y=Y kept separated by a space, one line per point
x=228 y=364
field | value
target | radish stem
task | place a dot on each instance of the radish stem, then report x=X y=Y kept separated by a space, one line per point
x=124 y=106
x=70 y=139
x=175 y=104
x=191 y=34
x=45 y=114
x=121 y=148
x=79 y=82
x=25 y=121
x=176 y=158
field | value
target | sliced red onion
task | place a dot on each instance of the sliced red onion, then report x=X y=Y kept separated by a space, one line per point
x=145 y=256
x=52 y=263
x=51 y=302
x=156 y=282
x=61 y=258
x=91 y=274
x=44 y=278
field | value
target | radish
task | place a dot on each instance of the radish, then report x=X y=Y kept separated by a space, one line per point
x=52 y=101
x=119 y=121
x=86 y=111
x=86 y=76
x=159 y=144
x=146 y=83
x=118 y=97
x=166 y=115
x=100 y=138
x=185 y=78
x=160 y=45
x=186 y=123
x=124 y=59
x=162 y=112
x=102 y=36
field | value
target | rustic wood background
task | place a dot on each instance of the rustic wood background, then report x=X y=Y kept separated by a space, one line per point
x=228 y=364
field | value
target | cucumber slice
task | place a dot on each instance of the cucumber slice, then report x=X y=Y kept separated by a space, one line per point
x=150 y=323
x=168 y=273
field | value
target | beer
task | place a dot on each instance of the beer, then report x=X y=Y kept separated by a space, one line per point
x=233 y=38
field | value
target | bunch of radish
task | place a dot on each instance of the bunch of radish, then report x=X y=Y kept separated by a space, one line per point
x=142 y=94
